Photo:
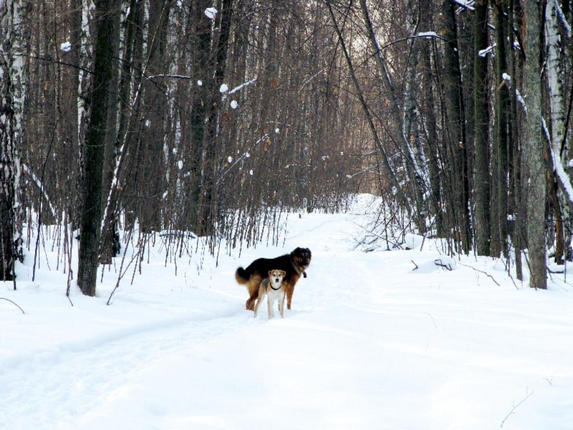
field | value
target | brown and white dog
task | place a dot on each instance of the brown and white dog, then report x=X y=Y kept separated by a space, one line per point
x=294 y=265
x=273 y=288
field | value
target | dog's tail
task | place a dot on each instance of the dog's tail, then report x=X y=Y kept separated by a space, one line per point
x=242 y=276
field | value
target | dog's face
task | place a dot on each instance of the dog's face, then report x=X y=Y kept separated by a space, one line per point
x=276 y=277
x=301 y=257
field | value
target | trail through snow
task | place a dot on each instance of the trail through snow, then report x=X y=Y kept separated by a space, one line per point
x=370 y=344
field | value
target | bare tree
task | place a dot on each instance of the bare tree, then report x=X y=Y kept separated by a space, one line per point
x=91 y=216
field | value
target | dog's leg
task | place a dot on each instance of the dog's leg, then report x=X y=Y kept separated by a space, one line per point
x=282 y=305
x=253 y=287
x=289 y=293
x=270 y=306
x=260 y=297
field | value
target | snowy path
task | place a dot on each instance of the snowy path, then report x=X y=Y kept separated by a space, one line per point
x=369 y=344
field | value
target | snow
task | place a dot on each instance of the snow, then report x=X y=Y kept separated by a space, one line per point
x=234 y=104
x=374 y=340
x=465 y=4
x=66 y=47
x=223 y=88
x=244 y=84
x=483 y=52
x=558 y=165
x=427 y=34
x=210 y=12
x=562 y=18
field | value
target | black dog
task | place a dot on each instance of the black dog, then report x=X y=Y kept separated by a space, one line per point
x=294 y=265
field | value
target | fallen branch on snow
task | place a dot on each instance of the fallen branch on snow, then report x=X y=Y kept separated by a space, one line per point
x=481 y=271
x=447 y=266
x=14 y=303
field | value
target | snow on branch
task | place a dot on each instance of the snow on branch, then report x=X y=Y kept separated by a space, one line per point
x=244 y=84
x=489 y=49
x=428 y=35
x=465 y=4
x=166 y=75
x=562 y=18
x=558 y=166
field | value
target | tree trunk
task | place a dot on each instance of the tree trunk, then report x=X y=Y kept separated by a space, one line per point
x=95 y=144
x=110 y=236
x=431 y=121
x=536 y=179
x=455 y=130
x=201 y=75
x=13 y=79
x=209 y=195
x=481 y=124
x=154 y=112
x=502 y=130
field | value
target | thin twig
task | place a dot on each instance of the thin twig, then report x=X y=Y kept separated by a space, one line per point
x=121 y=271
x=515 y=407
x=481 y=271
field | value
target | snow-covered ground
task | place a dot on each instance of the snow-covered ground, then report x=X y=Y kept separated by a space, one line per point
x=369 y=344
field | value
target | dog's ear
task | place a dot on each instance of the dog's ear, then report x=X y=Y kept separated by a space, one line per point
x=270 y=273
x=283 y=273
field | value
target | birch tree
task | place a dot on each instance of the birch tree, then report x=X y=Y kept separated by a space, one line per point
x=13 y=79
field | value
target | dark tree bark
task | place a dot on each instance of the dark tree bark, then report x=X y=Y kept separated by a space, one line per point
x=154 y=120
x=94 y=153
x=536 y=178
x=211 y=137
x=455 y=130
x=431 y=121
x=502 y=129
x=481 y=124
x=201 y=75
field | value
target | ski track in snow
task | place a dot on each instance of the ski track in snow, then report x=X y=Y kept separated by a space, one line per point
x=370 y=344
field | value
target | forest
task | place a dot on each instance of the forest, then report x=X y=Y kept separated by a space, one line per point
x=128 y=119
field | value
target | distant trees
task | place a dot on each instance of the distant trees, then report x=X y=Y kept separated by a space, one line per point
x=216 y=117
x=168 y=117
x=485 y=116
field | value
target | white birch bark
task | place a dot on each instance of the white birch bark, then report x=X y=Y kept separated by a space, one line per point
x=14 y=37
x=86 y=57
x=555 y=75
